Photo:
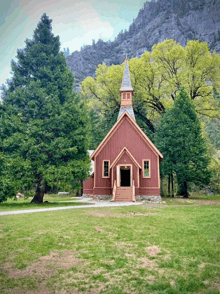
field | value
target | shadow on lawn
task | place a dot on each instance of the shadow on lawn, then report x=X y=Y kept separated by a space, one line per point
x=27 y=205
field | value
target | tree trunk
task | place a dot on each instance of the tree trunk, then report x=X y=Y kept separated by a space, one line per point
x=182 y=188
x=81 y=188
x=169 y=186
x=172 y=185
x=161 y=188
x=40 y=191
x=185 y=192
x=80 y=192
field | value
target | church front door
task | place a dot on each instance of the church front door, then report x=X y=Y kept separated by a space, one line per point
x=125 y=178
x=124 y=175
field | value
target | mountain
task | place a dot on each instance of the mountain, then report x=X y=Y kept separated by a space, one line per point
x=181 y=20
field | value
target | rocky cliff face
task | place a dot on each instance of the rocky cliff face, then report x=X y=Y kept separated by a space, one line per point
x=181 y=20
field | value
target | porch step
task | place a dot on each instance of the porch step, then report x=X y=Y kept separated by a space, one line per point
x=123 y=194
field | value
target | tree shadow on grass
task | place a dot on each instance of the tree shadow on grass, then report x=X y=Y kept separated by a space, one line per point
x=27 y=205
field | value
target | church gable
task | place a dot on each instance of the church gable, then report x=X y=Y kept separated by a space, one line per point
x=125 y=156
x=125 y=133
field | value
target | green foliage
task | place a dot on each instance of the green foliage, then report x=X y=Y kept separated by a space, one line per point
x=40 y=61
x=43 y=124
x=180 y=140
x=215 y=170
x=212 y=128
x=156 y=78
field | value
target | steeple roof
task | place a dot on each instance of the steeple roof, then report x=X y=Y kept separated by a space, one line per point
x=129 y=110
x=126 y=82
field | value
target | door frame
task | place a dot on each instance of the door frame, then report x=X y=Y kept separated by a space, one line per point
x=118 y=173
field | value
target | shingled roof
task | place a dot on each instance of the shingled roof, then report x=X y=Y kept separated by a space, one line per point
x=126 y=82
x=129 y=110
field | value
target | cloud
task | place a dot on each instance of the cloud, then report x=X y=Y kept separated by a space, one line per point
x=98 y=27
x=83 y=32
x=76 y=23
x=67 y=11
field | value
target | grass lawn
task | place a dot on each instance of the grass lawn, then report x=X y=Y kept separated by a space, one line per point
x=53 y=199
x=173 y=249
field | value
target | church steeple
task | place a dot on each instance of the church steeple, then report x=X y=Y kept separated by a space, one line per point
x=126 y=82
x=126 y=93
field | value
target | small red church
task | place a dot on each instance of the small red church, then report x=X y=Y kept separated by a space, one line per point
x=126 y=163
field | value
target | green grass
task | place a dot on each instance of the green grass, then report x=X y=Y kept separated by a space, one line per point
x=56 y=197
x=53 y=199
x=193 y=199
x=204 y=197
x=109 y=250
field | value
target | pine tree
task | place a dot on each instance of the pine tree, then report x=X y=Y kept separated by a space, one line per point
x=42 y=122
x=180 y=140
x=41 y=61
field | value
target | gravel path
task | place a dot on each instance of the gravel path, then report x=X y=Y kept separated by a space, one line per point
x=87 y=202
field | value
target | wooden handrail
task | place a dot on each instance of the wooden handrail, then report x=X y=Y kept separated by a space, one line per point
x=114 y=191
x=133 y=192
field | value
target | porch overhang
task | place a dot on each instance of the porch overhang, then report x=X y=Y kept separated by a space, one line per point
x=125 y=150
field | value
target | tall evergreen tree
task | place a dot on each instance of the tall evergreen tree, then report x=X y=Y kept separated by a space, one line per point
x=180 y=140
x=42 y=122
x=41 y=61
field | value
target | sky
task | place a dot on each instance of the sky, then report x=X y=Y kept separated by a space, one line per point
x=76 y=22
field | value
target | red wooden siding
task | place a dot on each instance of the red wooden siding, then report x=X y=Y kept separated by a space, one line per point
x=88 y=185
x=127 y=136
